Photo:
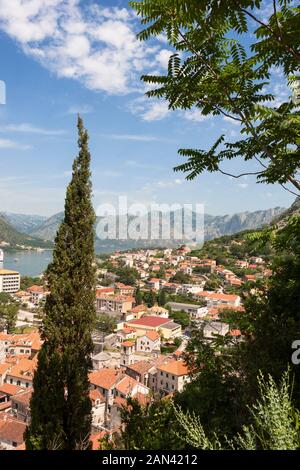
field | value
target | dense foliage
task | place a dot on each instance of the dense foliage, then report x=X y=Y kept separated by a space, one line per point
x=8 y=312
x=60 y=404
x=224 y=56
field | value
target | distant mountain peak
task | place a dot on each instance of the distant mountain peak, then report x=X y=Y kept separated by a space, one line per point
x=215 y=226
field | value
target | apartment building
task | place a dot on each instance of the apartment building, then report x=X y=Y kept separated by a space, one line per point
x=114 y=303
x=213 y=299
x=171 y=377
x=195 y=311
x=9 y=281
x=148 y=343
x=37 y=294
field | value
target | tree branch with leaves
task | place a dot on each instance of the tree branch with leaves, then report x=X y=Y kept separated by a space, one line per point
x=216 y=70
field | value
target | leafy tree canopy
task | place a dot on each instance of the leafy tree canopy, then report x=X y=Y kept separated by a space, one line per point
x=224 y=55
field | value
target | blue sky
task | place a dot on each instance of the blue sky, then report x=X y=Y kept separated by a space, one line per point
x=60 y=57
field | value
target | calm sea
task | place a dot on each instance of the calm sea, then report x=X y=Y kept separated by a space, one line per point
x=33 y=263
x=28 y=263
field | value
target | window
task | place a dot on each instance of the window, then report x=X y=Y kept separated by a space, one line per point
x=11 y=381
x=173 y=377
x=18 y=382
x=27 y=384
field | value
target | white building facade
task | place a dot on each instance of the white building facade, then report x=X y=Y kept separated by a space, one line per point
x=9 y=281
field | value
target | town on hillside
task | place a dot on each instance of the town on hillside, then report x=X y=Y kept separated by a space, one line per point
x=148 y=302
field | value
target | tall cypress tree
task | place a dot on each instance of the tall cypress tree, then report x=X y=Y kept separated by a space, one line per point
x=60 y=404
x=138 y=296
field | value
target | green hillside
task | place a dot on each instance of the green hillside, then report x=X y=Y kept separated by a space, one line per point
x=241 y=245
x=16 y=239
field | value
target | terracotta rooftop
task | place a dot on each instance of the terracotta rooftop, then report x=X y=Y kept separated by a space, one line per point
x=153 y=335
x=36 y=289
x=151 y=321
x=95 y=439
x=157 y=308
x=10 y=389
x=23 y=397
x=96 y=395
x=174 y=367
x=12 y=431
x=24 y=369
x=4 y=368
x=139 y=308
x=104 y=290
x=216 y=296
x=140 y=367
x=126 y=385
x=235 y=332
x=105 y=378
x=128 y=344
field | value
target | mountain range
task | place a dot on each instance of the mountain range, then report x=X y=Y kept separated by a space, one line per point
x=35 y=229
x=23 y=223
x=16 y=239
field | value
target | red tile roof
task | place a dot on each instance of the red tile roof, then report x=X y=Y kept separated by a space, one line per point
x=216 y=296
x=128 y=344
x=95 y=439
x=10 y=389
x=174 y=367
x=104 y=378
x=153 y=335
x=4 y=368
x=235 y=332
x=36 y=289
x=139 y=308
x=96 y=395
x=104 y=290
x=151 y=321
x=126 y=385
x=140 y=367
x=12 y=431
x=23 y=397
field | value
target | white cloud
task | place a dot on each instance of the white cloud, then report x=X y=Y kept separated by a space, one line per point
x=163 y=57
x=86 y=42
x=156 y=111
x=28 y=128
x=232 y=121
x=281 y=93
x=195 y=115
x=163 y=38
x=243 y=185
x=10 y=144
x=169 y=183
x=149 y=109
